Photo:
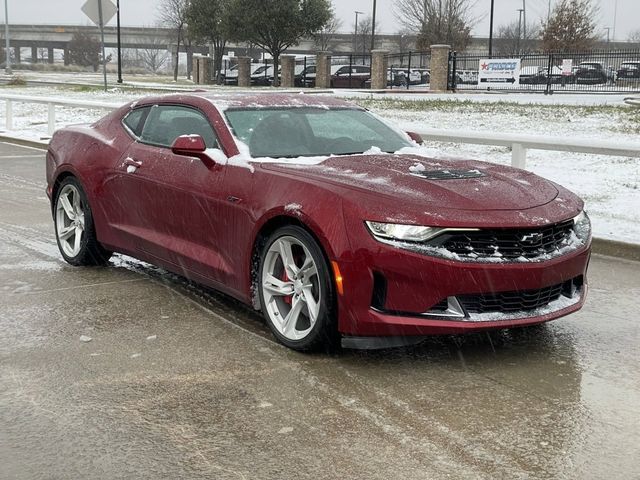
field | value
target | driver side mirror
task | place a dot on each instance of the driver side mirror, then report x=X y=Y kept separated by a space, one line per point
x=416 y=138
x=192 y=146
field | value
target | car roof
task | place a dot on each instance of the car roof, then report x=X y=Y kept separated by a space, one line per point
x=250 y=100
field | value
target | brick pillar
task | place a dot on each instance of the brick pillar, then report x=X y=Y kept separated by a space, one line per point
x=288 y=70
x=16 y=54
x=34 y=54
x=439 y=67
x=50 y=58
x=244 y=71
x=323 y=70
x=205 y=71
x=67 y=61
x=379 y=63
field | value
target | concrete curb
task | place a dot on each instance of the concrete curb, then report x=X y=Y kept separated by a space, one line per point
x=600 y=246
x=614 y=248
x=23 y=142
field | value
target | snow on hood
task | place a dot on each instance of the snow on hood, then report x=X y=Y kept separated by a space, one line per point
x=499 y=187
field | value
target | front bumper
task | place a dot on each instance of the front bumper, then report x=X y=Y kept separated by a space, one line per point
x=416 y=283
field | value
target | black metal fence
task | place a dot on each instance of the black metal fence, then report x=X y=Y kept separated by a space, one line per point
x=595 y=71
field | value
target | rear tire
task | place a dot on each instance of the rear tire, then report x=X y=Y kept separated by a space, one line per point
x=296 y=290
x=74 y=227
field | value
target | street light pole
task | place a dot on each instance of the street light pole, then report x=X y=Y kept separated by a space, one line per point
x=491 y=30
x=524 y=22
x=6 y=35
x=119 y=47
x=373 y=26
x=355 y=36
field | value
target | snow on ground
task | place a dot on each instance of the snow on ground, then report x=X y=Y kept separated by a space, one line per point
x=610 y=186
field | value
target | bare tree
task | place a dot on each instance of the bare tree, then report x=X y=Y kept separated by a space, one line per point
x=404 y=40
x=173 y=14
x=323 y=37
x=571 y=26
x=437 y=21
x=634 y=37
x=512 y=40
x=152 y=58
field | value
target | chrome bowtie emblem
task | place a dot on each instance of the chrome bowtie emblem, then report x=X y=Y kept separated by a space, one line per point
x=531 y=238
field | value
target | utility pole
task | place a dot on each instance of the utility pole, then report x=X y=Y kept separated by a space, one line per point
x=355 y=36
x=119 y=44
x=373 y=26
x=615 y=19
x=520 y=11
x=6 y=35
x=491 y=31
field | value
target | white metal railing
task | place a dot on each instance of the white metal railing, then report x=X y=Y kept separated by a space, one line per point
x=634 y=101
x=519 y=144
x=52 y=103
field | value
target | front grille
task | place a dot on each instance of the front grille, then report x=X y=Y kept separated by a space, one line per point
x=508 y=244
x=509 y=302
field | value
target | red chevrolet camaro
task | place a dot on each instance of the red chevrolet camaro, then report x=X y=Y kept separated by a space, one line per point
x=330 y=221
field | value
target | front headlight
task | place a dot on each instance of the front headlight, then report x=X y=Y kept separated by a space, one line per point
x=582 y=226
x=404 y=233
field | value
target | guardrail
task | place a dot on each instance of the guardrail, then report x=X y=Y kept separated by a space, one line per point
x=52 y=103
x=519 y=144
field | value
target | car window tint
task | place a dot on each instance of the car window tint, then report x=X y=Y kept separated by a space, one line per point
x=135 y=120
x=166 y=123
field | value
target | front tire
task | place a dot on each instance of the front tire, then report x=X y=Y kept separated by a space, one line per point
x=296 y=291
x=75 y=230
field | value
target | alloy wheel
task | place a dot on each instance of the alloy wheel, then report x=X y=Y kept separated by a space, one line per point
x=70 y=226
x=291 y=288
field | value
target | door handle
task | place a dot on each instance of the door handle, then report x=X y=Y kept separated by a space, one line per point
x=132 y=165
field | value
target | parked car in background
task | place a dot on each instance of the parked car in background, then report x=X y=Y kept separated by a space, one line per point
x=469 y=77
x=350 y=76
x=425 y=76
x=231 y=74
x=532 y=75
x=629 y=73
x=397 y=77
x=306 y=77
x=262 y=76
x=593 y=73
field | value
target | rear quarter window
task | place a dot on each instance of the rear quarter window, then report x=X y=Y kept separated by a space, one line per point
x=135 y=119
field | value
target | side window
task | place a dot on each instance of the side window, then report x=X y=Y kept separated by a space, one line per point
x=343 y=71
x=134 y=120
x=165 y=123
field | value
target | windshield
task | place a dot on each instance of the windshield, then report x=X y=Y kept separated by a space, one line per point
x=306 y=132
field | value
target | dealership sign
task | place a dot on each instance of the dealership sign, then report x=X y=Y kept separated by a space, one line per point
x=499 y=72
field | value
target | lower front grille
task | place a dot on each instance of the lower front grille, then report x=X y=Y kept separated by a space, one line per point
x=518 y=301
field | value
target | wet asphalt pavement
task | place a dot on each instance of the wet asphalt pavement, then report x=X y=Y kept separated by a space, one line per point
x=178 y=382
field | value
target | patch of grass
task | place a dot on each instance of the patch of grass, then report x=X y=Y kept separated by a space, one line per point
x=627 y=119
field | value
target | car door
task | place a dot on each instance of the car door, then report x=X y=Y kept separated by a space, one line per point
x=170 y=204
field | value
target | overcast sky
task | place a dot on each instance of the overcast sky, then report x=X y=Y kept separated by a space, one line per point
x=143 y=12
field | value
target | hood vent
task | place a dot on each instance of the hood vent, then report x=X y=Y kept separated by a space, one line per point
x=448 y=174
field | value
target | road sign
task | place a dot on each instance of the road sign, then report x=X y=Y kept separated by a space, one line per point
x=501 y=72
x=92 y=10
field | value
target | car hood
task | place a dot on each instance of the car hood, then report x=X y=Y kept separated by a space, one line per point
x=421 y=181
